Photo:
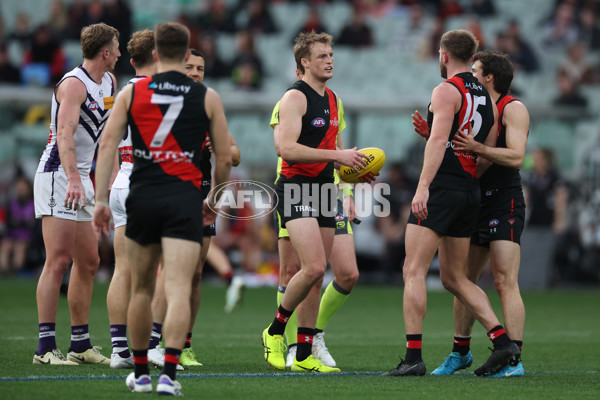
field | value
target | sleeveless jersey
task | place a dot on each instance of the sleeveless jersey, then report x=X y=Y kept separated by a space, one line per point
x=168 y=127
x=93 y=114
x=458 y=168
x=498 y=176
x=342 y=125
x=126 y=151
x=319 y=130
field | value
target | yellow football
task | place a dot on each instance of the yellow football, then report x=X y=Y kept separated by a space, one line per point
x=374 y=164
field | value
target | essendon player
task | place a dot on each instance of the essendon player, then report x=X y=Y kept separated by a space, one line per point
x=308 y=126
x=501 y=215
x=446 y=203
x=169 y=115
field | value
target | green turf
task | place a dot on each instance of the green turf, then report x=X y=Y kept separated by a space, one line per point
x=561 y=351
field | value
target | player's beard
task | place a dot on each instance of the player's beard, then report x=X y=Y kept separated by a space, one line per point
x=443 y=70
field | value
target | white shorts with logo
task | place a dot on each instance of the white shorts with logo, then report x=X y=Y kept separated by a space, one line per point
x=49 y=191
x=117 y=206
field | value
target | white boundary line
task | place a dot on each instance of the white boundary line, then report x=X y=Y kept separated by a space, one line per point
x=252 y=375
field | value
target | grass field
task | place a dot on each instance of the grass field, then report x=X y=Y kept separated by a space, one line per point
x=561 y=352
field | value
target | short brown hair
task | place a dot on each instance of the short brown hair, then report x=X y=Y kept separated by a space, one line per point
x=499 y=65
x=172 y=41
x=303 y=45
x=96 y=37
x=461 y=44
x=140 y=47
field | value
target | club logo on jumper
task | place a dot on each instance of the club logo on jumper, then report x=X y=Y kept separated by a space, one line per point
x=493 y=223
x=318 y=122
x=511 y=221
x=244 y=199
x=93 y=106
x=170 y=87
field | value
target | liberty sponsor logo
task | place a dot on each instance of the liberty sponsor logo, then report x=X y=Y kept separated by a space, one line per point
x=318 y=122
x=170 y=87
x=244 y=199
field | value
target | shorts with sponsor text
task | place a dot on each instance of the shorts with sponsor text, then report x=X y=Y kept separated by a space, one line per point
x=49 y=191
x=501 y=217
x=450 y=212
x=342 y=225
x=302 y=197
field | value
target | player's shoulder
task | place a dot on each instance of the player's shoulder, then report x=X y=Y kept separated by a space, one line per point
x=293 y=95
x=515 y=108
x=73 y=87
x=112 y=78
x=445 y=91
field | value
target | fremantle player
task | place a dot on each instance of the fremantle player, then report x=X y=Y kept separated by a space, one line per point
x=64 y=195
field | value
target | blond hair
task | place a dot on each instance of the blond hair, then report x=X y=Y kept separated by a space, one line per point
x=96 y=37
x=303 y=45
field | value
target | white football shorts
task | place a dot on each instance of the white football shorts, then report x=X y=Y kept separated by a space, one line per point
x=49 y=191
x=117 y=206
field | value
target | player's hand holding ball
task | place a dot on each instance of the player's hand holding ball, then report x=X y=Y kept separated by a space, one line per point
x=365 y=173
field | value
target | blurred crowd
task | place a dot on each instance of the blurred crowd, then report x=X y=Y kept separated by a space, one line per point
x=571 y=31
